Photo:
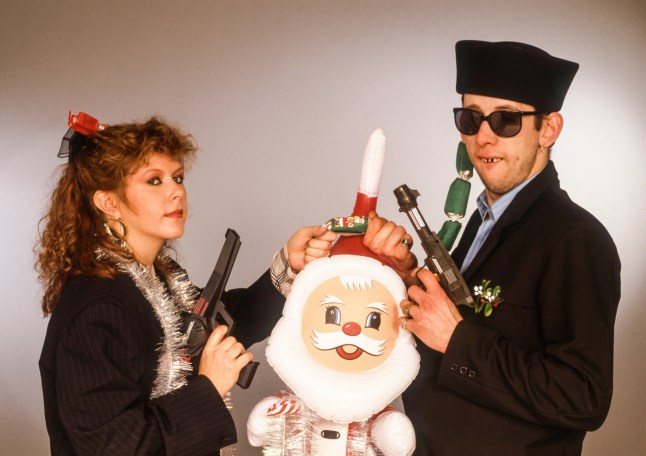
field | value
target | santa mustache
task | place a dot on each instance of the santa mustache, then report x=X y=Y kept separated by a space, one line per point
x=330 y=341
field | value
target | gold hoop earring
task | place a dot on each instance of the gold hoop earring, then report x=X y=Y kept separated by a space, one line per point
x=118 y=239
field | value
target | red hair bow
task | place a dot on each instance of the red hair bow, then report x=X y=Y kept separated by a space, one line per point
x=84 y=123
x=80 y=126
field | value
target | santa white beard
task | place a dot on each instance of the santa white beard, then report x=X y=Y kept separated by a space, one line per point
x=342 y=397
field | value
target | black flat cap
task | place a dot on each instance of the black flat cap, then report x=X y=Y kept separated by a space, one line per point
x=513 y=71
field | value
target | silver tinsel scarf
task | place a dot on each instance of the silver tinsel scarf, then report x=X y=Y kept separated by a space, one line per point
x=172 y=369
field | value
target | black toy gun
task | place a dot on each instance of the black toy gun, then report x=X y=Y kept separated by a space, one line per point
x=205 y=317
x=438 y=260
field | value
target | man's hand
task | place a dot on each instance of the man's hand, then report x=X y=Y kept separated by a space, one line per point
x=307 y=244
x=433 y=316
x=223 y=359
x=384 y=238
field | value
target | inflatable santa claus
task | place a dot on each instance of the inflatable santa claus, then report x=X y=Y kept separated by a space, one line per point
x=340 y=351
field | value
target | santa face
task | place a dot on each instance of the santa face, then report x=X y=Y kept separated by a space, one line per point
x=354 y=376
x=350 y=324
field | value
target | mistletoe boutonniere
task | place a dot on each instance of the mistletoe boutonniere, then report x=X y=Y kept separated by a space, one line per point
x=487 y=298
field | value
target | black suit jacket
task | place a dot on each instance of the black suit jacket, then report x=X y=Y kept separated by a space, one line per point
x=534 y=376
x=98 y=365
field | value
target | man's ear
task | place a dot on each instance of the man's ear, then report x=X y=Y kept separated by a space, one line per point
x=107 y=203
x=552 y=125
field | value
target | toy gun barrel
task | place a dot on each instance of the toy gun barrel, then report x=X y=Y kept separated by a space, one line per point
x=437 y=259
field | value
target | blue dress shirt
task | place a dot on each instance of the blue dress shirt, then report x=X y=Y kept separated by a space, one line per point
x=489 y=215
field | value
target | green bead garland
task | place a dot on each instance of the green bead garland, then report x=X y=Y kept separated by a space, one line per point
x=457 y=197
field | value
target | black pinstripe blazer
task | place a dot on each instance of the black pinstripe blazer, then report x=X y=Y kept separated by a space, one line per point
x=534 y=376
x=98 y=365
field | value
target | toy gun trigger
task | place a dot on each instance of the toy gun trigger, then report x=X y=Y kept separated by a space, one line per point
x=221 y=316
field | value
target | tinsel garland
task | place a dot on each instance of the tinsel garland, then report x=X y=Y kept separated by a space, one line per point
x=167 y=303
x=293 y=434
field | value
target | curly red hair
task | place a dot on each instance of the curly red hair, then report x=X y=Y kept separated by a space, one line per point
x=72 y=228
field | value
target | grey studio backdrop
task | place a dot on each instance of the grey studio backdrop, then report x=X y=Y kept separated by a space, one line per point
x=281 y=97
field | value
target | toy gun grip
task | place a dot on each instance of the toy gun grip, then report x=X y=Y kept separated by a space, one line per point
x=222 y=317
x=438 y=259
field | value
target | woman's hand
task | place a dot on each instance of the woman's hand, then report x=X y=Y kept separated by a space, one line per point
x=223 y=359
x=307 y=244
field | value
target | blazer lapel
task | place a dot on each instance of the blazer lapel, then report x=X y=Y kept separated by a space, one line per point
x=460 y=252
x=512 y=215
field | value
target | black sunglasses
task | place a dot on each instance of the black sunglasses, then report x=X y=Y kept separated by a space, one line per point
x=503 y=123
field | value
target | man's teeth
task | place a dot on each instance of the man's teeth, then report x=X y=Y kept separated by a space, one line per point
x=490 y=160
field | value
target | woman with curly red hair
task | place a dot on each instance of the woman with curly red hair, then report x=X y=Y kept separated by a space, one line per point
x=114 y=372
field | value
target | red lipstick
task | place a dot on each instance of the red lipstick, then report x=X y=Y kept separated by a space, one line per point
x=179 y=213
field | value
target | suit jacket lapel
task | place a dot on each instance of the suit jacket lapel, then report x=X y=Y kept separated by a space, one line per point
x=512 y=215
x=460 y=252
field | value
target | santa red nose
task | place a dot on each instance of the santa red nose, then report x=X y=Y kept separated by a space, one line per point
x=351 y=329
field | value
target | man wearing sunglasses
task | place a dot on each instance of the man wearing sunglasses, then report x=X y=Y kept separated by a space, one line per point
x=535 y=374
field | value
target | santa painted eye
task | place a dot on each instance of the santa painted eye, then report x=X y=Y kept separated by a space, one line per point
x=374 y=320
x=332 y=315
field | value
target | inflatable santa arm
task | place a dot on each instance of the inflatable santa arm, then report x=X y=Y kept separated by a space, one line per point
x=392 y=432
x=259 y=431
